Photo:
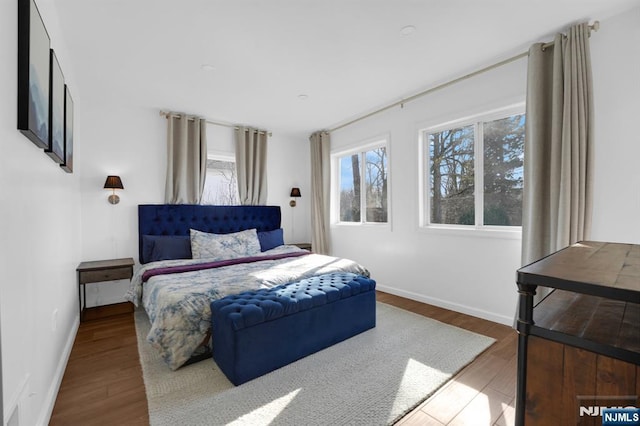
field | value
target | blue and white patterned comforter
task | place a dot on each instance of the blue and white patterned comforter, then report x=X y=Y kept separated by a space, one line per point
x=178 y=305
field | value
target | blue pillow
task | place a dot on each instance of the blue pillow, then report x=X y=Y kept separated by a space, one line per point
x=270 y=239
x=166 y=247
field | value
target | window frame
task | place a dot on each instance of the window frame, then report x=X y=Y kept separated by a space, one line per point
x=478 y=228
x=360 y=149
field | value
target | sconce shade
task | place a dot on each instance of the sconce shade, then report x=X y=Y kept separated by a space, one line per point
x=295 y=192
x=113 y=182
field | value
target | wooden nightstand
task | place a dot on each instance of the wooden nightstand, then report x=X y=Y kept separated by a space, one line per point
x=100 y=271
x=306 y=246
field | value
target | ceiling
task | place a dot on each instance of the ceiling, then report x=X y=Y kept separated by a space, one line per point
x=348 y=57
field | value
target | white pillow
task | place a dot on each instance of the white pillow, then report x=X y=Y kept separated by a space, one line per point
x=224 y=246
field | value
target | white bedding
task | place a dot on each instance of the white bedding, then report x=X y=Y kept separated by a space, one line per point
x=178 y=304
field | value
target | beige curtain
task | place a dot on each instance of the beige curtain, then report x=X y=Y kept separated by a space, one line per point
x=320 y=181
x=251 y=165
x=186 y=159
x=558 y=172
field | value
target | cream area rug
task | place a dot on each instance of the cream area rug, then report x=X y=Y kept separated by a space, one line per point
x=373 y=378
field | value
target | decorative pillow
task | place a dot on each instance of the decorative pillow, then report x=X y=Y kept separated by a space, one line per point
x=270 y=239
x=165 y=247
x=224 y=246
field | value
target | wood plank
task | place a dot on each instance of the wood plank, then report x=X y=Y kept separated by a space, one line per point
x=103 y=382
x=605 y=323
x=455 y=395
x=546 y=312
x=508 y=416
x=615 y=377
x=484 y=409
x=627 y=281
x=97 y=312
x=505 y=380
x=579 y=379
x=506 y=347
x=418 y=418
x=587 y=267
x=544 y=381
x=574 y=318
x=629 y=334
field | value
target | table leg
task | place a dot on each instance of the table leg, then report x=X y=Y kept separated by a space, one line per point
x=524 y=323
x=79 y=298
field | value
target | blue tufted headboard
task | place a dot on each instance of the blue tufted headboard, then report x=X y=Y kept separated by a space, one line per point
x=177 y=219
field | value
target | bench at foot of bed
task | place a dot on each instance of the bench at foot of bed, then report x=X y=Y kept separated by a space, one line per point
x=259 y=331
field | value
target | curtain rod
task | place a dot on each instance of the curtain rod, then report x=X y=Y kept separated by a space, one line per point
x=593 y=27
x=217 y=123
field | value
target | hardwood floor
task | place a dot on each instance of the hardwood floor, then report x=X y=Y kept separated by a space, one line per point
x=483 y=393
x=103 y=384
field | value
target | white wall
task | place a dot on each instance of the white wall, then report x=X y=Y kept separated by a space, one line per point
x=40 y=226
x=467 y=272
x=616 y=73
x=475 y=273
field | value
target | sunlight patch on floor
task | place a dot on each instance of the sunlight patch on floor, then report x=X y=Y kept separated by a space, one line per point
x=416 y=377
x=268 y=412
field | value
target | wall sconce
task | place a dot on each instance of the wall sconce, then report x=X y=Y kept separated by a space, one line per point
x=295 y=193
x=113 y=183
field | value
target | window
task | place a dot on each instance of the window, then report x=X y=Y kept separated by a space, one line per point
x=363 y=177
x=221 y=185
x=465 y=188
x=451 y=168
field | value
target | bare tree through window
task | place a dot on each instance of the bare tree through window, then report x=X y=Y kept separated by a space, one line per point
x=376 y=184
x=452 y=183
x=503 y=167
x=221 y=184
x=452 y=173
x=368 y=168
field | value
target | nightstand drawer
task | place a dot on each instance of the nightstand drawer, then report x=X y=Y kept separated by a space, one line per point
x=105 y=275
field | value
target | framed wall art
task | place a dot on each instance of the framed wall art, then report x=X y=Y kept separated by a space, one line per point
x=33 y=74
x=56 y=111
x=67 y=166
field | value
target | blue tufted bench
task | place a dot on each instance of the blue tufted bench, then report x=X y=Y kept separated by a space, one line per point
x=259 y=331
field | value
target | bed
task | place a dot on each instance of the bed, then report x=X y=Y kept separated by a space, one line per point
x=182 y=270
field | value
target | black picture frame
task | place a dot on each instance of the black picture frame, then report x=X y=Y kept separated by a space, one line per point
x=67 y=166
x=33 y=74
x=55 y=150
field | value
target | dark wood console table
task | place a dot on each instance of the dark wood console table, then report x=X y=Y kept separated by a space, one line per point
x=580 y=346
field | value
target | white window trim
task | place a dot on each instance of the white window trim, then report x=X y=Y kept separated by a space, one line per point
x=479 y=229
x=221 y=156
x=358 y=148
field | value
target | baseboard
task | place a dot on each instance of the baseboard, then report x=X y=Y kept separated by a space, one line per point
x=490 y=316
x=13 y=405
x=50 y=399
